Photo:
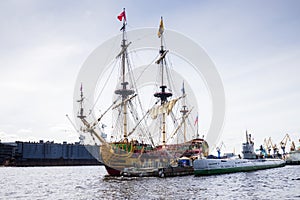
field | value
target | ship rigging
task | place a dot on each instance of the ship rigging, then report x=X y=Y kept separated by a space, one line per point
x=142 y=137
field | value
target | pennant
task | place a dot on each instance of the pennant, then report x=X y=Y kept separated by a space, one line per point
x=161 y=28
x=196 y=120
x=122 y=15
x=81 y=87
x=182 y=89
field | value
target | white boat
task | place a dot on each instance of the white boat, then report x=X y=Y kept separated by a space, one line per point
x=249 y=162
x=221 y=166
x=293 y=157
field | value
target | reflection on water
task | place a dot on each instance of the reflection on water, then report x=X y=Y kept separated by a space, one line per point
x=92 y=183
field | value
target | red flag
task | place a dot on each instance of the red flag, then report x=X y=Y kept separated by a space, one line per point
x=196 y=120
x=122 y=15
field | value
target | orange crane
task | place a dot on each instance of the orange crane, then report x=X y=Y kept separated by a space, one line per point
x=284 y=141
x=293 y=147
x=274 y=147
x=265 y=147
x=268 y=144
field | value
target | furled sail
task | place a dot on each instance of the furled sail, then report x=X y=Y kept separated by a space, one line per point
x=165 y=108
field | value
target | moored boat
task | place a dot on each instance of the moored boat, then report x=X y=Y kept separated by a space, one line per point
x=293 y=157
x=222 y=166
x=144 y=141
x=249 y=162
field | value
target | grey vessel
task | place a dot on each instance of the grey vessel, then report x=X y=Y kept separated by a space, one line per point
x=47 y=154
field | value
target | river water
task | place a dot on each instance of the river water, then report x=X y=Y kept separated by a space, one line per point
x=91 y=182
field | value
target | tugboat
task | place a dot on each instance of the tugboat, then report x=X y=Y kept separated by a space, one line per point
x=249 y=162
x=133 y=151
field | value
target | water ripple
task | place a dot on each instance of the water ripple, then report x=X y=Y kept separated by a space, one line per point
x=91 y=182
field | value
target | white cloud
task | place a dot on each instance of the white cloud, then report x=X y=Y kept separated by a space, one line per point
x=24 y=131
x=5 y=137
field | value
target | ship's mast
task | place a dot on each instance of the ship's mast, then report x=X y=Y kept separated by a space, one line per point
x=163 y=95
x=197 y=135
x=124 y=92
x=80 y=101
x=184 y=111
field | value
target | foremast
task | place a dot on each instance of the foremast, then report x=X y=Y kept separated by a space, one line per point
x=88 y=127
x=163 y=94
x=124 y=92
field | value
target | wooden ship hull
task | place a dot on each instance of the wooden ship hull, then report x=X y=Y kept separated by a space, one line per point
x=142 y=160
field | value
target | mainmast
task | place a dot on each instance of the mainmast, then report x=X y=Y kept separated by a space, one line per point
x=163 y=95
x=124 y=92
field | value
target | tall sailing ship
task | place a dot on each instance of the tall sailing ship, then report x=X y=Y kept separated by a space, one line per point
x=135 y=147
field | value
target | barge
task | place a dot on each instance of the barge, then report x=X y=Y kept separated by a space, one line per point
x=23 y=154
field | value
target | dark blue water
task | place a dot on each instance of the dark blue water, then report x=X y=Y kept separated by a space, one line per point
x=92 y=183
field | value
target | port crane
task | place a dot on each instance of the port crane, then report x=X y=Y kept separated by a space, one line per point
x=268 y=145
x=293 y=146
x=284 y=141
x=274 y=146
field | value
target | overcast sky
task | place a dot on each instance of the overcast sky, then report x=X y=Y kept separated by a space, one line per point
x=255 y=46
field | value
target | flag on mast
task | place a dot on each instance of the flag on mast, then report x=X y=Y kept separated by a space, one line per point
x=196 y=120
x=182 y=89
x=161 y=28
x=122 y=16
